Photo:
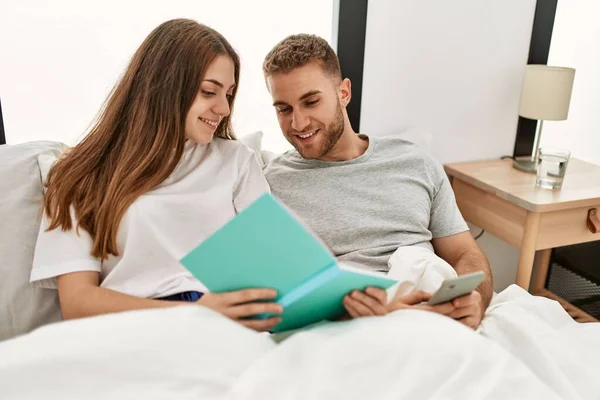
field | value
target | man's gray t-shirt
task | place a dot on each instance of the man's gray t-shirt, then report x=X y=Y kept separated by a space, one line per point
x=393 y=195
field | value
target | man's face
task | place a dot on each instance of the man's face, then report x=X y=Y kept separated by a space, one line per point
x=307 y=103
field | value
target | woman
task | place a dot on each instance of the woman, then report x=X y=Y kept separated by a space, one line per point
x=161 y=157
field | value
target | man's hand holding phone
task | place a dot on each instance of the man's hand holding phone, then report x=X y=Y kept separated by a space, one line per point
x=461 y=293
x=456 y=298
x=373 y=302
x=468 y=309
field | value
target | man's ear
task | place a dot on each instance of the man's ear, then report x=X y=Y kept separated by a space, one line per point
x=345 y=92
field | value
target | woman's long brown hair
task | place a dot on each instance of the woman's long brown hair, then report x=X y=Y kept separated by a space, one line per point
x=139 y=135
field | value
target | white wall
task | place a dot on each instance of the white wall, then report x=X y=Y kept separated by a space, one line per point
x=454 y=69
x=576 y=43
x=59 y=59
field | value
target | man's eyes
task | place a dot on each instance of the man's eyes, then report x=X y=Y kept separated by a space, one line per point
x=286 y=110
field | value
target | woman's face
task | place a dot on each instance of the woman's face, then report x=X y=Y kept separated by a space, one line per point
x=211 y=104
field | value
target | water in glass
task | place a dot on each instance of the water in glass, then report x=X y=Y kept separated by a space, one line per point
x=551 y=170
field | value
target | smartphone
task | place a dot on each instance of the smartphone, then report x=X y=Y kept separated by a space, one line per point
x=457 y=287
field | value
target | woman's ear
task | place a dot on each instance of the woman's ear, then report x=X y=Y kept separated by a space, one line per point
x=345 y=92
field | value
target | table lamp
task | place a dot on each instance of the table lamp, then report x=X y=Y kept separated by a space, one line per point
x=545 y=95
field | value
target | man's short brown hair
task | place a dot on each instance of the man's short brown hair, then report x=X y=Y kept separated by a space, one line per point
x=298 y=50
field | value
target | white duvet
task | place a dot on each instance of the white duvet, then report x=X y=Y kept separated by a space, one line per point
x=193 y=353
x=526 y=348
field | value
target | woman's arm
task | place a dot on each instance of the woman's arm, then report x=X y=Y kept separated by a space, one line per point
x=81 y=296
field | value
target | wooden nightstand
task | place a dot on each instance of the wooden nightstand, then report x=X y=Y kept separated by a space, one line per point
x=505 y=202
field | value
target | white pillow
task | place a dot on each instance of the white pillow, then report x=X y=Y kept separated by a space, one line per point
x=267 y=156
x=23 y=306
x=254 y=142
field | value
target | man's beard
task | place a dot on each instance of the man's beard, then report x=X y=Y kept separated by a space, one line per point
x=331 y=135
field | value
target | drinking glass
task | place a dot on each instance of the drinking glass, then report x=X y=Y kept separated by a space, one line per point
x=551 y=167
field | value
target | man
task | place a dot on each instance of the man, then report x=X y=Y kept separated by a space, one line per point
x=364 y=196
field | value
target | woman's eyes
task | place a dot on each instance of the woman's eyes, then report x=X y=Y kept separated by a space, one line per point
x=207 y=93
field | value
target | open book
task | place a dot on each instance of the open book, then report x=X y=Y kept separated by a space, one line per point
x=266 y=246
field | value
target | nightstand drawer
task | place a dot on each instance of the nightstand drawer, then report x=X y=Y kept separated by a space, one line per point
x=499 y=217
x=565 y=227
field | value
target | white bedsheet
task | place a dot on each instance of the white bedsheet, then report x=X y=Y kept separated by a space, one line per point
x=561 y=352
x=527 y=347
x=183 y=352
x=191 y=352
x=406 y=355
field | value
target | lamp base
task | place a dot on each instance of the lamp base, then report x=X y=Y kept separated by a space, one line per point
x=525 y=165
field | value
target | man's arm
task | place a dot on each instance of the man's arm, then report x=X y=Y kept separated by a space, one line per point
x=462 y=252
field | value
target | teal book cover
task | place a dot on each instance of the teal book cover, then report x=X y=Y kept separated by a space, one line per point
x=266 y=246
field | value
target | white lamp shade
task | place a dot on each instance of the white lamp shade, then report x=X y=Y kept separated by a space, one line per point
x=546 y=92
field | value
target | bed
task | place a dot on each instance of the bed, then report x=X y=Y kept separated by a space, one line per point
x=527 y=346
x=192 y=352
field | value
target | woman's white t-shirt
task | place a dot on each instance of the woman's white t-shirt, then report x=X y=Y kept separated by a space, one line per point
x=209 y=186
